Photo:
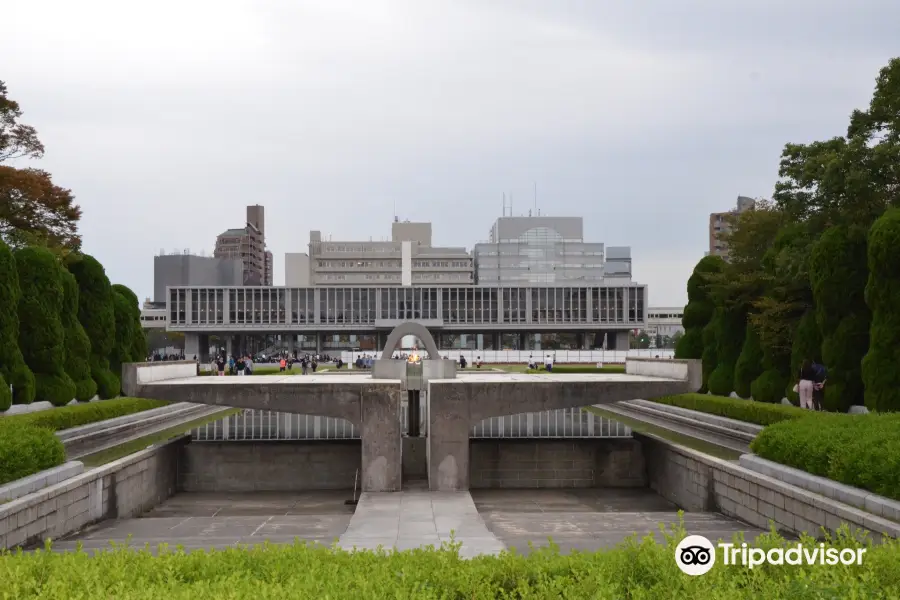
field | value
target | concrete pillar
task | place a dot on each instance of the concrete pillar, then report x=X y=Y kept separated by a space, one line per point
x=448 y=439
x=479 y=341
x=291 y=338
x=192 y=345
x=621 y=339
x=318 y=343
x=496 y=341
x=381 y=441
x=523 y=339
x=229 y=345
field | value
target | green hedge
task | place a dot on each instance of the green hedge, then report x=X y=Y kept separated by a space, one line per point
x=41 y=333
x=732 y=325
x=5 y=396
x=137 y=347
x=78 y=346
x=761 y=413
x=12 y=364
x=837 y=274
x=573 y=369
x=699 y=310
x=26 y=450
x=879 y=367
x=749 y=363
x=858 y=450
x=96 y=314
x=636 y=569
x=66 y=417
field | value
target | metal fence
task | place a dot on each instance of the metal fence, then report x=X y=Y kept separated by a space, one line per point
x=262 y=425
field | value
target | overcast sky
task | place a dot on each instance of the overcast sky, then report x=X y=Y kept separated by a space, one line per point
x=642 y=116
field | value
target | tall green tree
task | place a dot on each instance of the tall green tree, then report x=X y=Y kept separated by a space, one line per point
x=13 y=369
x=41 y=334
x=78 y=345
x=97 y=315
x=137 y=348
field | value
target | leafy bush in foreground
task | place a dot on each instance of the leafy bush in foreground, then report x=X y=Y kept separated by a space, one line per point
x=637 y=568
x=761 y=413
x=26 y=450
x=858 y=450
x=66 y=417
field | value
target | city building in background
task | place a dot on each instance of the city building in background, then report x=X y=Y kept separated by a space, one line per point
x=719 y=225
x=248 y=244
x=408 y=259
x=184 y=268
x=332 y=318
x=542 y=250
x=665 y=321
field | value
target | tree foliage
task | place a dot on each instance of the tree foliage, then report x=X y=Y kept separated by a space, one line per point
x=41 y=336
x=97 y=316
x=13 y=369
x=794 y=286
x=880 y=366
x=33 y=210
x=17 y=140
x=138 y=347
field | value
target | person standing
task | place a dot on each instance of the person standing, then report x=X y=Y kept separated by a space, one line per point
x=806 y=385
x=819 y=388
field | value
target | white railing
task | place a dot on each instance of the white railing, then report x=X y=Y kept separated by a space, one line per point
x=522 y=356
x=268 y=425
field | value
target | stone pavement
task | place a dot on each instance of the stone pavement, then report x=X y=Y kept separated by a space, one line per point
x=485 y=521
x=419 y=518
x=590 y=519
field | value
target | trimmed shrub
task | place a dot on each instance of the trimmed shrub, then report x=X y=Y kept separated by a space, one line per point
x=710 y=342
x=641 y=568
x=880 y=365
x=76 y=415
x=699 y=310
x=760 y=413
x=729 y=342
x=78 y=346
x=96 y=314
x=5 y=396
x=769 y=386
x=12 y=364
x=807 y=345
x=837 y=274
x=41 y=334
x=121 y=348
x=858 y=450
x=26 y=450
x=749 y=364
x=138 y=348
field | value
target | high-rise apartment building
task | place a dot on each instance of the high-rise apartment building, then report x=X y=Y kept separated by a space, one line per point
x=719 y=224
x=542 y=250
x=408 y=259
x=248 y=244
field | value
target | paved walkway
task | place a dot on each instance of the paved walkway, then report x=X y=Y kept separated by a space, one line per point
x=414 y=519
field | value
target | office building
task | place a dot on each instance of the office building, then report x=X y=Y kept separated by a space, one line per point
x=719 y=225
x=542 y=250
x=664 y=321
x=477 y=317
x=191 y=269
x=408 y=259
x=248 y=244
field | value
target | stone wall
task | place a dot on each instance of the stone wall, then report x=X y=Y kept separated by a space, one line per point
x=124 y=488
x=580 y=463
x=282 y=466
x=699 y=482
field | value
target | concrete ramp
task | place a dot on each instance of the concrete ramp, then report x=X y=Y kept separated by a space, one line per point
x=417 y=519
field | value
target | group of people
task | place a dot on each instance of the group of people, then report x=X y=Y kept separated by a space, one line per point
x=533 y=363
x=243 y=365
x=811 y=387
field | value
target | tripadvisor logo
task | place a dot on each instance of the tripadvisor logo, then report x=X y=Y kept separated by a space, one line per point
x=696 y=555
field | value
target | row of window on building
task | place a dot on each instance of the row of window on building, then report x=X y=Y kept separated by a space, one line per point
x=362 y=306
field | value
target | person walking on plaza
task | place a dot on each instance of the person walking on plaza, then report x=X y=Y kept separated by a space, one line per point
x=806 y=385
